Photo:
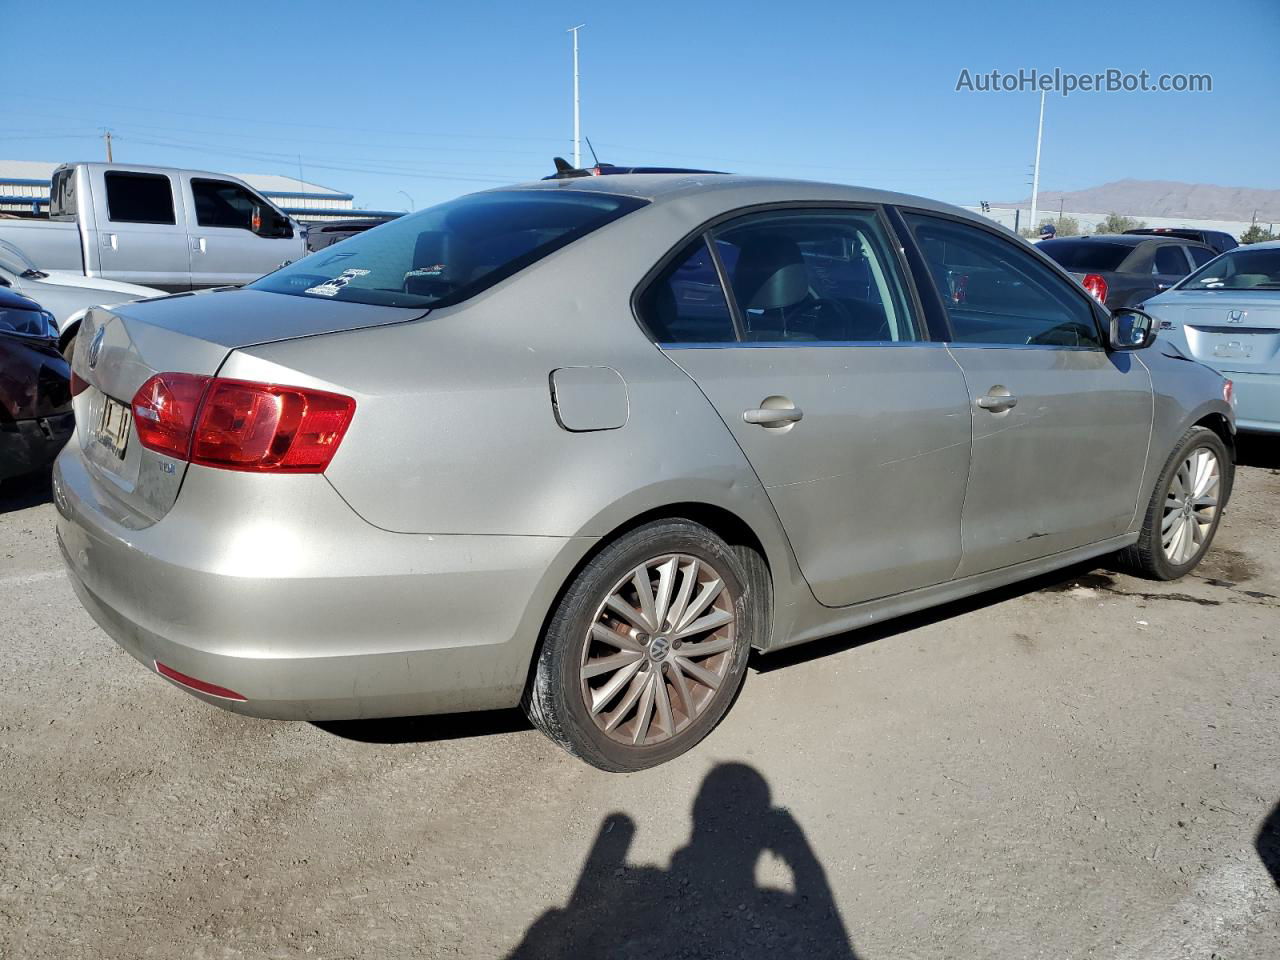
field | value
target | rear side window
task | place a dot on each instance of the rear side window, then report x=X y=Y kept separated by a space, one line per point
x=139 y=197
x=1200 y=255
x=685 y=303
x=449 y=253
x=1085 y=256
x=1170 y=261
x=62 y=194
x=998 y=293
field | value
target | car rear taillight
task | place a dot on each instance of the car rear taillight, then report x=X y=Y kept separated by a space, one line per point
x=1096 y=285
x=78 y=384
x=241 y=425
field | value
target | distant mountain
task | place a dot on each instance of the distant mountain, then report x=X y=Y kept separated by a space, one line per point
x=1165 y=198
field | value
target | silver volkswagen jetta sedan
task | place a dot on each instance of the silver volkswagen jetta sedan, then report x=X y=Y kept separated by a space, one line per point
x=584 y=444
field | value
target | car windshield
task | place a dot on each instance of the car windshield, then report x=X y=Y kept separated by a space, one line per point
x=14 y=260
x=448 y=253
x=1239 y=269
x=1086 y=256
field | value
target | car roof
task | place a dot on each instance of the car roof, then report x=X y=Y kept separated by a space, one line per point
x=660 y=188
x=1124 y=239
x=1265 y=245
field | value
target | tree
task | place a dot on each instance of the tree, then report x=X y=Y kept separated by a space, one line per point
x=1118 y=224
x=1256 y=234
x=1067 y=226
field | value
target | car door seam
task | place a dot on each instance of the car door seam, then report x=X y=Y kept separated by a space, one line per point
x=964 y=497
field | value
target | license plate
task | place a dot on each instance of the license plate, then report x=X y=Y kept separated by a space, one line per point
x=113 y=427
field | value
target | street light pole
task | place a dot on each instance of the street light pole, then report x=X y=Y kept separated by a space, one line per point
x=577 y=126
x=404 y=194
x=1035 y=177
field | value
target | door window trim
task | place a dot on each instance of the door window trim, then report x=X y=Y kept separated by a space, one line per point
x=998 y=233
x=925 y=328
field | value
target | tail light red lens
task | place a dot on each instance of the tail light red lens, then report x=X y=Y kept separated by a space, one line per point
x=78 y=385
x=1096 y=285
x=241 y=425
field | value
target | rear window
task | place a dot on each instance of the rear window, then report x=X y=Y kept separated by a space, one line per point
x=1238 y=269
x=1085 y=256
x=449 y=253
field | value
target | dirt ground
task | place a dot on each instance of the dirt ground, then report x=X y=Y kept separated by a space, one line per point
x=1084 y=766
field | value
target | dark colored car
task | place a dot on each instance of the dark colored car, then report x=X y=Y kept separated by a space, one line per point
x=35 y=388
x=1220 y=241
x=321 y=235
x=1121 y=269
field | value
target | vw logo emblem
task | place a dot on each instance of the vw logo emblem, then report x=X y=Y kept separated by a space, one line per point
x=95 y=347
x=658 y=647
x=1235 y=316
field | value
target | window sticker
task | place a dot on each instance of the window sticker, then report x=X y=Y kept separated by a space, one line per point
x=432 y=271
x=330 y=288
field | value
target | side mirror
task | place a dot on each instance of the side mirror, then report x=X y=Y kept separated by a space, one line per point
x=1132 y=329
x=266 y=223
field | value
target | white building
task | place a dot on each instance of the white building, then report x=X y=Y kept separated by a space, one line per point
x=24 y=190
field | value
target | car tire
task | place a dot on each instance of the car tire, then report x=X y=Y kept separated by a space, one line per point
x=615 y=691
x=1174 y=536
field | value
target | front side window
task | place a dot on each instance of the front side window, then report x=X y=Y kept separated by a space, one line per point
x=1239 y=269
x=1169 y=261
x=139 y=197
x=220 y=203
x=815 y=276
x=997 y=293
x=449 y=253
x=685 y=303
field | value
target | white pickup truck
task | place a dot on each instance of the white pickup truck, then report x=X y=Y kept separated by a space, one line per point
x=157 y=226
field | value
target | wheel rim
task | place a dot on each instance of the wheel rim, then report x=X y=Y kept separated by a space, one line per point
x=658 y=650
x=1191 y=506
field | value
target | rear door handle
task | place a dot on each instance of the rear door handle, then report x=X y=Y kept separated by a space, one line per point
x=197 y=245
x=773 y=416
x=997 y=403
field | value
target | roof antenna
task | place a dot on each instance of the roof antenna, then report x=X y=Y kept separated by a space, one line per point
x=593 y=151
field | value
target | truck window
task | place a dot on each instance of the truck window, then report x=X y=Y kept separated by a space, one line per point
x=62 y=195
x=220 y=203
x=139 y=197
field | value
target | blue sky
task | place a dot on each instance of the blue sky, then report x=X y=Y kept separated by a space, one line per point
x=437 y=99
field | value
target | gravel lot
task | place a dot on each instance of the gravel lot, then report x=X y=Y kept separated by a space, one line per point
x=1079 y=767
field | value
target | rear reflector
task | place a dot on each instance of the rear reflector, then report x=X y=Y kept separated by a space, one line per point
x=241 y=425
x=191 y=683
x=78 y=385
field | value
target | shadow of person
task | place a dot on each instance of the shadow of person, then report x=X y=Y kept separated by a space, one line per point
x=1268 y=843
x=708 y=903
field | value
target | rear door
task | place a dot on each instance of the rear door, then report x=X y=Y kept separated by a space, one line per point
x=1060 y=427
x=235 y=235
x=141 y=236
x=818 y=362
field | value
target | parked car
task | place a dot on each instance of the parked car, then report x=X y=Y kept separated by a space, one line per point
x=156 y=226
x=321 y=235
x=1227 y=314
x=63 y=293
x=1122 y=270
x=1219 y=240
x=35 y=389
x=524 y=446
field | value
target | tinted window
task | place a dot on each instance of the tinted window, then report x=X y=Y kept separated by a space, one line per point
x=1239 y=269
x=815 y=276
x=450 y=252
x=223 y=204
x=139 y=198
x=1086 y=256
x=1200 y=255
x=996 y=292
x=1169 y=260
x=685 y=303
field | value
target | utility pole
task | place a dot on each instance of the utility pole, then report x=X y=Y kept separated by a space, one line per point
x=106 y=137
x=1035 y=177
x=577 y=126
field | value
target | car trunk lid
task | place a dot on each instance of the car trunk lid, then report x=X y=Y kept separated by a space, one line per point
x=1232 y=331
x=119 y=349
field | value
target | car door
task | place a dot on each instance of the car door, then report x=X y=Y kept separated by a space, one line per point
x=228 y=245
x=818 y=362
x=1060 y=426
x=140 y=234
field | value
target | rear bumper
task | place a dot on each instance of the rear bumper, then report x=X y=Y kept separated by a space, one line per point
x=30 y=445
x=1257 y=401
x=301 y=607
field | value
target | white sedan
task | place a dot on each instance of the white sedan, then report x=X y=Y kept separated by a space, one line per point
x=61 y=293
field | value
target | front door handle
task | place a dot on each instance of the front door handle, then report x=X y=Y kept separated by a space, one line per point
x=997 y=401
x=773 y=416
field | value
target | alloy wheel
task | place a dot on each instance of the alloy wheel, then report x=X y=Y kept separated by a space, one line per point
x=1191 y=505
x=658 y=650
